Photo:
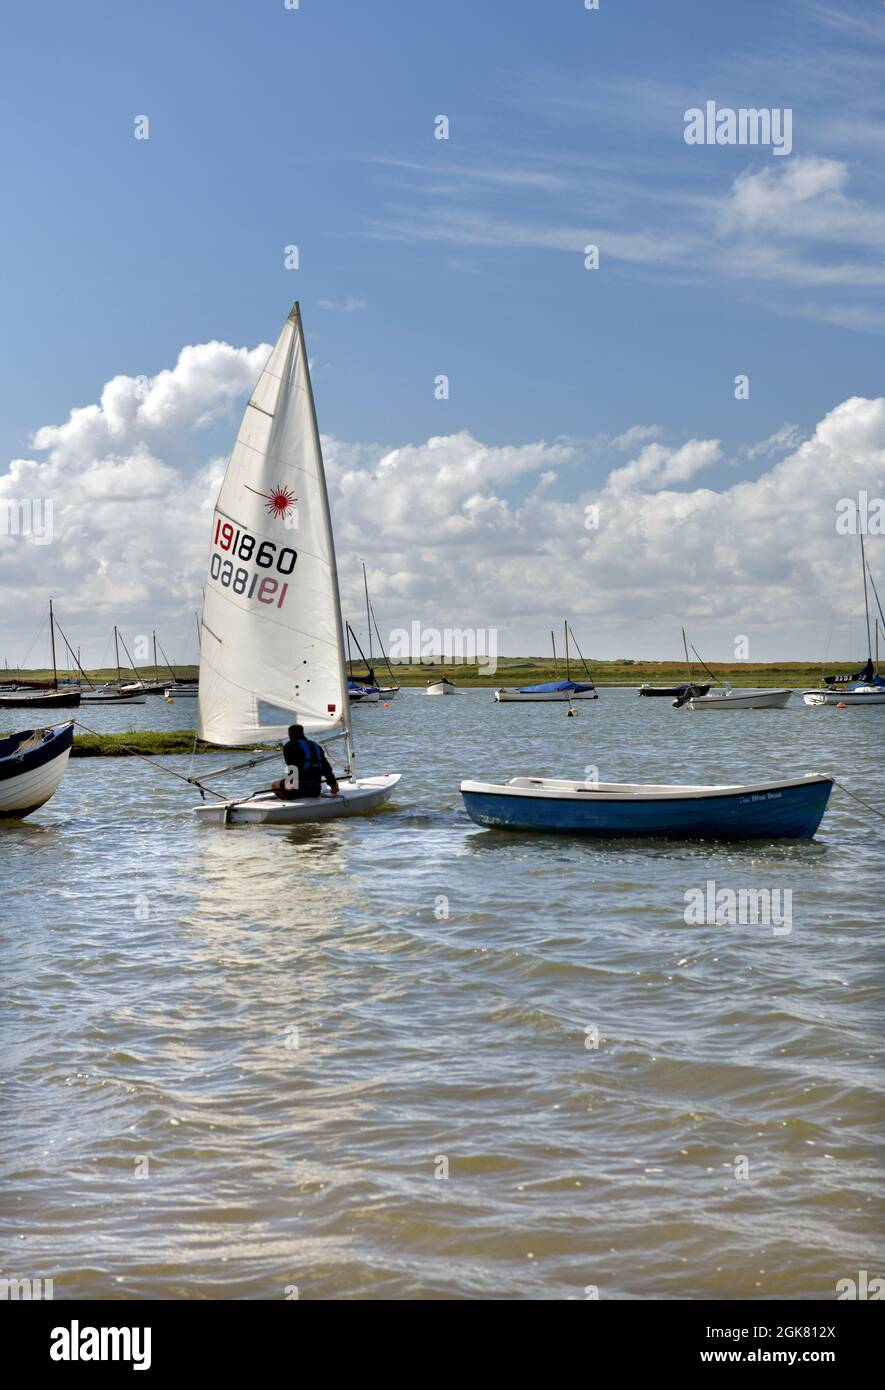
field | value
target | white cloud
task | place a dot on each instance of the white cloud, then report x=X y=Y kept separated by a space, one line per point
x=455 y=532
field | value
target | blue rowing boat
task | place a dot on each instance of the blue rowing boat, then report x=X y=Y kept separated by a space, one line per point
x=789 y=809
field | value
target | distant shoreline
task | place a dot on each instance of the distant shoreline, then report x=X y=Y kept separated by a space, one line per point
x=518 y=670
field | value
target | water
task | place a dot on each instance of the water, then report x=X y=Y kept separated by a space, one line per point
x=236 y=1060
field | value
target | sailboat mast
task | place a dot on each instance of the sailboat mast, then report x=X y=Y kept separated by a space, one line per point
x=866 y=598
x=330 y=540
x=156 y=667
x=52 y=643
x=368 y=615
x=565 y=635
x=685 y=646
x=553 y=645
x=117 y=657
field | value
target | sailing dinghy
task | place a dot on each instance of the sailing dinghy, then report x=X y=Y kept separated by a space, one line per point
x=866 y=686
x=272 y=640
x=562 y=692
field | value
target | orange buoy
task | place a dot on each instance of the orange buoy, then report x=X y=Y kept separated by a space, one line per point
x=841 y=705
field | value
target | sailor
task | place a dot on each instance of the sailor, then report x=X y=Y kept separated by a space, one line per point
x=306 y=766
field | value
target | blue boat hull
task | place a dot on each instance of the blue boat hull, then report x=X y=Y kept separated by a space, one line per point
x=792 y=812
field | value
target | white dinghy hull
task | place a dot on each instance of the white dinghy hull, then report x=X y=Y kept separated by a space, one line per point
x=860 y=695
x=32 y=765
x=355 y=798
x=442 y=687
x=749 y=699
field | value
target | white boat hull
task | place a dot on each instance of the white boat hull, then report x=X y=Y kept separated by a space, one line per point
x=21 y=794
x=440 y=688
x=364 y=697
x=512 y=697
x=741 y=699
x=355 y=798
x=865 y=695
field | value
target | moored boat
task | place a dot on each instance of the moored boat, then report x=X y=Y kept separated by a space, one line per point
x=32 y=765
x=441 y=687
x=789 y=808
x=41 y=699
x=563 y=691
x=674 y=691
x=866 y=686
x=558 y=691
x=731 y=699
x=61 y=696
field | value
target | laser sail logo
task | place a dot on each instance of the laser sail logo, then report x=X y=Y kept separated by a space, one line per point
x=76 y=1343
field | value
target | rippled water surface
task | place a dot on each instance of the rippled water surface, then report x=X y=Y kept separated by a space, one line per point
x=238 y=1061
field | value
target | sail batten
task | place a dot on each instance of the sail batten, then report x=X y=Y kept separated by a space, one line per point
x=273 y=652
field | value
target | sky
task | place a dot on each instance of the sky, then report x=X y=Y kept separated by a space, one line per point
x=144 y=279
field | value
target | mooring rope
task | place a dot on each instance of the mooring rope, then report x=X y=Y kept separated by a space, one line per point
x=875 y=810
x=159 y=766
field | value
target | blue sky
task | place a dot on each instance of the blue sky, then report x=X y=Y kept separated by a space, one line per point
x=315 y=127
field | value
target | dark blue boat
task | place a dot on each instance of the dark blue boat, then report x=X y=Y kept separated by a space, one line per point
x=790 y=809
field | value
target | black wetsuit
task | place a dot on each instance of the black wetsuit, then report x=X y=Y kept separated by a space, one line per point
x=312 y=764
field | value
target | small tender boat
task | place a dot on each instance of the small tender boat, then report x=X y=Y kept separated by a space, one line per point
x=674 y=691
x=32 y=765
x=790 y=809
x=441 y=687
x=182 y=691
x=112 y=697
x=272 y=638
x=729 y=699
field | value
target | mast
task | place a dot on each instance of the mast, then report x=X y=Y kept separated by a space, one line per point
x=52 y=643
x=565 y=634
x=368 y=617
x=156 y=667
x=866 y=598
x=330 y=539
x=117 y=657
x=685 y=646
x=553 y=645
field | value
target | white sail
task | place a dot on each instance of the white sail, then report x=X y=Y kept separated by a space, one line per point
x=271 y=649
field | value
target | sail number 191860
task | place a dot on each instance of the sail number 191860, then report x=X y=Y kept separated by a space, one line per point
x=244 y=581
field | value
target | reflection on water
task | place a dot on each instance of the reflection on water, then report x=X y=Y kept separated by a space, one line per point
x=237 y=1058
